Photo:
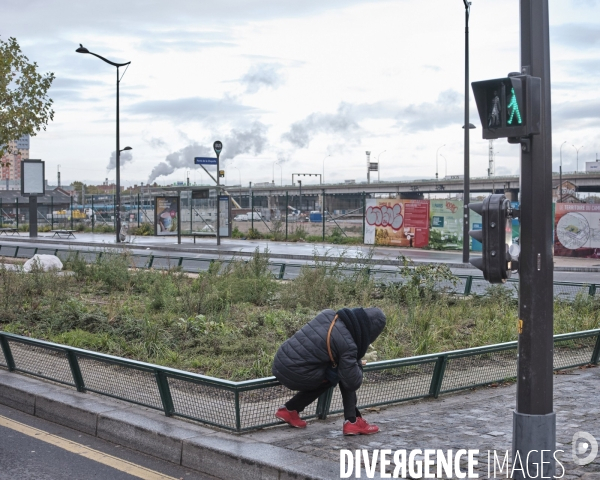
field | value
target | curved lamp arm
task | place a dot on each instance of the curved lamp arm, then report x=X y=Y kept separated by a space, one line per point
x=82 y=49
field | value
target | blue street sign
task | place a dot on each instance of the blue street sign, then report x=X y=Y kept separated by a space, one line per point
x=205 y=161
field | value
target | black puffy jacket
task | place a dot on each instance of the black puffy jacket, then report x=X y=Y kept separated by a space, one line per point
x=301 y=361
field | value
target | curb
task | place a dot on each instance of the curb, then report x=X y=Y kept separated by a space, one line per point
x=184 y=443
x=283 y=256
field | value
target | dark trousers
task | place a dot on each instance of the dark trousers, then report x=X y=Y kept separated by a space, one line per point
x=302 y=399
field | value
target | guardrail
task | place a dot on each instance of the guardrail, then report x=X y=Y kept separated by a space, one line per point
x=248 y=405
x=466 y=284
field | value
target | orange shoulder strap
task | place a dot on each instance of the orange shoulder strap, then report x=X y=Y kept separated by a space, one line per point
x=329 y=342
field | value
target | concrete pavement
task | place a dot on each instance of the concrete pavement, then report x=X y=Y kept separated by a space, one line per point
x=479 y=420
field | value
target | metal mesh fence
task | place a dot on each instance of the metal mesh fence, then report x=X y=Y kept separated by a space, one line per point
x=120 y=381
x=248 y=405
x=569 y=291
x=42 y=362
x=258 y=406
x=46 y=251
x=8 y=251
x=165 y=263
x=562 y=290
x=195 y=264
x=479 y=369
x=292 y=271
x=140 y=261
x=573 y=352
x=210 y=404
x=25 y=252
x=390 y=385
x=3 y=362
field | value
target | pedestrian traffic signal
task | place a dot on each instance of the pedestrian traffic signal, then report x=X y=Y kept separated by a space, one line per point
x=496 y=238
x=509 y=107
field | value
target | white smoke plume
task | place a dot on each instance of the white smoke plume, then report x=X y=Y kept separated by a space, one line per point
x=126 y=157
x=252 y=140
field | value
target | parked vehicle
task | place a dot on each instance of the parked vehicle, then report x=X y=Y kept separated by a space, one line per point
x=241 y=218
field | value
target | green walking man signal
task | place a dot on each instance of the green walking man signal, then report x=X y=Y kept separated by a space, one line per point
x=509 y=107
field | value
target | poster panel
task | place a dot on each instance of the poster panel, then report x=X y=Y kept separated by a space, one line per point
x=398 y=223
x=224 y=216
x=166 y=216
x=32 y=178
x=577 y=230
x=446 y=221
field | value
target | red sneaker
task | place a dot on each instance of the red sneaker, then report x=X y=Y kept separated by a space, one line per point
x=290 y=417
x=361 y=427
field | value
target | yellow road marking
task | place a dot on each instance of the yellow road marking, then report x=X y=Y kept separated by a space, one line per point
x=77 y=448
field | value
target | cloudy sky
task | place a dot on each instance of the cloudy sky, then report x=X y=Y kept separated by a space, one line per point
x=302 y=83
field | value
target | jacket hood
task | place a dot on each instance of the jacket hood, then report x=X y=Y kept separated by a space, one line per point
x=378 y=320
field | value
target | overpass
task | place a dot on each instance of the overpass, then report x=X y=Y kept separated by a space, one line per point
x=349 y=195
x=586 y=182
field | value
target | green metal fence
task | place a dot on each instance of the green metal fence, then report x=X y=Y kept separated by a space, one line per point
x=465 y=285
x=242 y=406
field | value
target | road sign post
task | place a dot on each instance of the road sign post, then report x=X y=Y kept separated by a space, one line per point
x=218 y=146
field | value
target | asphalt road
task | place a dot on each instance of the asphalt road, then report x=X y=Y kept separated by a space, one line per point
x=305 y=249
x=66 y=454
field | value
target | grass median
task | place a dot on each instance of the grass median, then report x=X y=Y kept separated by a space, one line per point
x=229 y=321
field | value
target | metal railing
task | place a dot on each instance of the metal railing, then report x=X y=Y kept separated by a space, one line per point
x=248 y=405
x=465 y=284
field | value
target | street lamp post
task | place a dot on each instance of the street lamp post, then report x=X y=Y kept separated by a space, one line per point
x=436 y=160
x=445 y=165
x=379 y=169
x=118 y=151
x=577 y=150
x=560 y=173
x=323 y=177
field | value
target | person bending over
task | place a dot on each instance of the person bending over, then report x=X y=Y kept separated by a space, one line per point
x=326 y=352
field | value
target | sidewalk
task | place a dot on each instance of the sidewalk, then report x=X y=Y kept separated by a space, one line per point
x=476 y=420
x=281 y=250
x=479 y=420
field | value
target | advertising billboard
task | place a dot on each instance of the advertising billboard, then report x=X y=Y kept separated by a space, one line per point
x=447 y=223
x=166 y=216
x=577 y=230
x=398 y=223
x=32 y=178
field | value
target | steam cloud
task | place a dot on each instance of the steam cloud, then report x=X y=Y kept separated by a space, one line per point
x=262 y=75
x=253 y=140
x=342 y=122
x=126 y=157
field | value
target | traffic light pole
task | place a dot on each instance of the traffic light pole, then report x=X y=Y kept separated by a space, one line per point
x=534 y=420
x=466 y=125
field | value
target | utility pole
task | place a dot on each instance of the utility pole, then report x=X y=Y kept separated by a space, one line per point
x=534 y=420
